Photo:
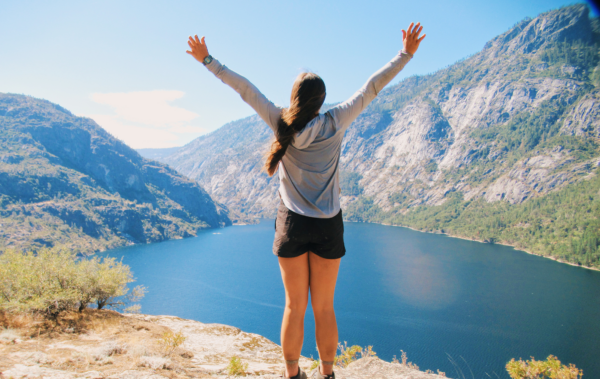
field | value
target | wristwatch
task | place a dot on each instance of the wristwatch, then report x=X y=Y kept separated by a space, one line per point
x=207 y=60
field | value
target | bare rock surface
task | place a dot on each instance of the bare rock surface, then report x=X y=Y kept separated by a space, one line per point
x=107 y=344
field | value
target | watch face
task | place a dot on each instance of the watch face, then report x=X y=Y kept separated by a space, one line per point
x=207 y=60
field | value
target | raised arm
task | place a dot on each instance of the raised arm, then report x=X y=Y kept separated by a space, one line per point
x=345 y=113
x=268 y=111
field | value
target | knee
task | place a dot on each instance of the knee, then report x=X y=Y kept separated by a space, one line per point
x=296 y=306
x=323 y=309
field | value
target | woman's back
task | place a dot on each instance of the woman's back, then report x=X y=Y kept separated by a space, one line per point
x=309 y=170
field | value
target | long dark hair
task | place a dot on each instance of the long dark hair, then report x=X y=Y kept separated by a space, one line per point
x=308 y=95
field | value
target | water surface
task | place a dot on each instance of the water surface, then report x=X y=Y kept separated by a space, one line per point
x=439 y=299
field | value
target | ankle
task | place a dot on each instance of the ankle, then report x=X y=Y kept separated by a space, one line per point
x=326 y=369
x=323 y=371
x=290 y=373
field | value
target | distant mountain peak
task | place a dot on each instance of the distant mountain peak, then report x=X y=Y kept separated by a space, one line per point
x=567 y=24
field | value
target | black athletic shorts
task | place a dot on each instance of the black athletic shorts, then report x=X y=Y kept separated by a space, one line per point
x=296 y=234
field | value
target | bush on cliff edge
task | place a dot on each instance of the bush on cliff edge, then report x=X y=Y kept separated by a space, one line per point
x=51 y=281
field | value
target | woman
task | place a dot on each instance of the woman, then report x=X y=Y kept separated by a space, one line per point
x=309 y=230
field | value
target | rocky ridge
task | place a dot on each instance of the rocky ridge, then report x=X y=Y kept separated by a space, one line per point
x=126 y=346
x=66 y=181
x=433 y=135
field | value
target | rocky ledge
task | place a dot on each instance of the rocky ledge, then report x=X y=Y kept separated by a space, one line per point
x=107 y=344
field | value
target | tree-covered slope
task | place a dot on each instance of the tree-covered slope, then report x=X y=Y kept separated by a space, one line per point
x=64 y=180
x=512 y=155
x=502 y=129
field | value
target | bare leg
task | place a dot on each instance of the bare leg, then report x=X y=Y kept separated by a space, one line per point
x=295 y=274
x=323 y=276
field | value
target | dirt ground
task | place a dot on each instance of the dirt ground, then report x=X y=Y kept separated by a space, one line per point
x=98 y=344
x=102 y=342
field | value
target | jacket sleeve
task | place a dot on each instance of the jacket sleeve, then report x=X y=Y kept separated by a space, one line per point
x=345 y=113
x=268 y=111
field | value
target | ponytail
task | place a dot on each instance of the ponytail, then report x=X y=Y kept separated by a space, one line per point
x=308 y=95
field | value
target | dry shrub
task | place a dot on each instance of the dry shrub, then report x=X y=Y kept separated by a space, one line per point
x=406 y=363
x=187 y=354
x=80 y=357
x=102 y=320
x=101 y=360
x=40 y=358
x=16 y=320
x=156 y=363
x=109 y=349
x=73 y=322
x=9 y=336
x=170 y=341
x=139 y=351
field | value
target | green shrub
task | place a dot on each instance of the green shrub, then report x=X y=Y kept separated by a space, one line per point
x=107 y=282
x=170 y=341
x=236 y=367
x=51 y=281
x=314 y=365
x=349 y=354
x=550 y=368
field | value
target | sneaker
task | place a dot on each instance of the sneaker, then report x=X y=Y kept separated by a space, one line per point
x=317 y=374
x=300 y=375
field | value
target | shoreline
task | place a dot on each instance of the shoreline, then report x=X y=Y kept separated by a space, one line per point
x=407 y=227
x=475 y=240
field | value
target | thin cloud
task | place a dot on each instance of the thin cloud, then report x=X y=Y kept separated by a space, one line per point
x=147 y=107
x=146 y=119
x=137 y=137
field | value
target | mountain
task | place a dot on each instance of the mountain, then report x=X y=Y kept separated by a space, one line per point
x=478 y=149
x=157 y=154
x=66 y=181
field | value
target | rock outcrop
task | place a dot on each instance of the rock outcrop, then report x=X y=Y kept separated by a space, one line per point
x=128 y=346
x=65 y=180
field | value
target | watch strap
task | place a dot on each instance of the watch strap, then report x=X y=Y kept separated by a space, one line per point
x=207 y=60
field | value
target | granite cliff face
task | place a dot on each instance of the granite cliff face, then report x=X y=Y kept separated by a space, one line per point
x=454 y=130
x=65 y=180
x=228 y=164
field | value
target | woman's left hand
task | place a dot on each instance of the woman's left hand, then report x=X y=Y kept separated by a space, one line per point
x=199 y=49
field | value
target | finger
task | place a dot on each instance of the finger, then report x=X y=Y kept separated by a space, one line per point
x=410 y=27
x=191 y=42
x=197 y=40
x=403 y=34
x=421 y=39
x=418 y=32
x=416 y=29
x=203 y=40
x=191 y=45
x=189 y=52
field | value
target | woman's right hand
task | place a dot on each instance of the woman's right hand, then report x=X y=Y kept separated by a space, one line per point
x=411 y=38
x=199 y=49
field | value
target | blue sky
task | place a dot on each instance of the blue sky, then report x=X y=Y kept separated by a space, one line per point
x=123 y=63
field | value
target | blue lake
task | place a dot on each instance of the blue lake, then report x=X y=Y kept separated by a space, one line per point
x=435 y=297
